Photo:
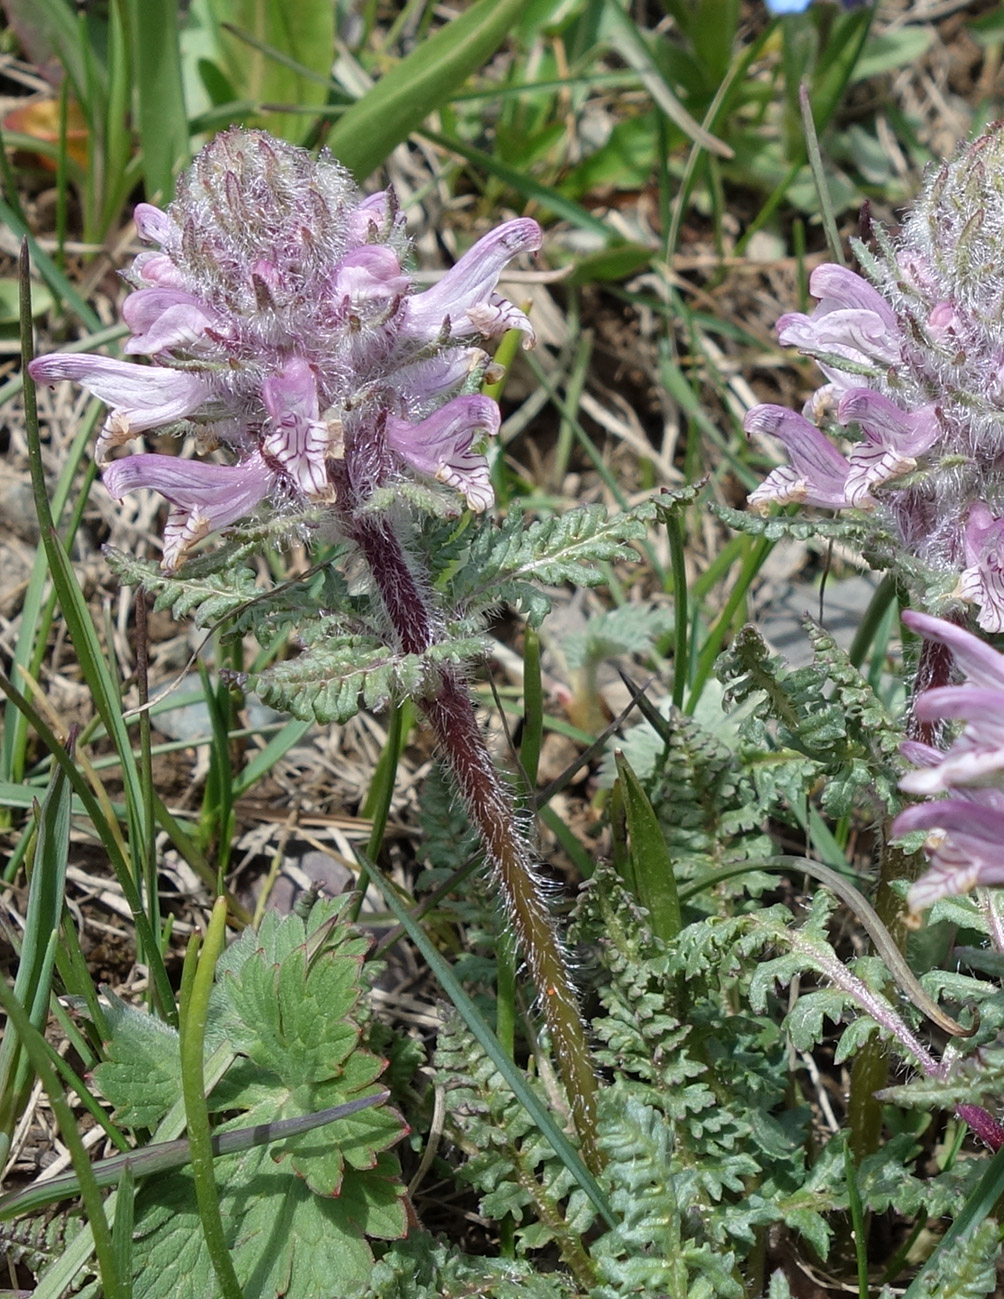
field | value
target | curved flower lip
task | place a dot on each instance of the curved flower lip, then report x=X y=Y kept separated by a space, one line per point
x=432 y=379
x=298 y=440
x=464 y=301
x=982 y=665
x=441 y=446
x=982 y=584
x=981 y=705
x=978 y=754
x=960 y=816
x=921 y=755
x=164 y=318
x=882 y=421
x=838 y=288
x=376 y=218
x=155 y=270
x=141 y=396
x=861 y=337
x=153 y=225
x=369 y=283
x=965 y=848
x=894 y=439
x=982 y=581
x=818 y=472
x=205 y=497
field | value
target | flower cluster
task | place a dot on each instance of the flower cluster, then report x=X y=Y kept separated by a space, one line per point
x=967 y=827
x=282 y=326
x=910 y=423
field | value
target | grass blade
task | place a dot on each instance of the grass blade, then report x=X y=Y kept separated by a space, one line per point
x=422 y=82
x=163 y=1156
x=34 y=972
x=493 y=1049
x=196 y=987
x=652 y=866
x=163 y=123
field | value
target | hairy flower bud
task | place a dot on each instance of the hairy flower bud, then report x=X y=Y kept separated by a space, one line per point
x=914 y=361
x=281 y=325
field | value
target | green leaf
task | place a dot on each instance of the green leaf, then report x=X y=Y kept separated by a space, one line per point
x=285 y=60
x=966 y=1269
x=162 y=119
x=295 y=1216
x=508 y=561
x=420 y=84
x=651 y=862
x=142 y=1068
x=334 y=678
x=284 y=1239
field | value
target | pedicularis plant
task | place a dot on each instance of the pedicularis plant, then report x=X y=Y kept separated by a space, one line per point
x=283 y=326
x=284 y=330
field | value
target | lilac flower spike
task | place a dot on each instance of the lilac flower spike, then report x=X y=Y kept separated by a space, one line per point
x=967 y=827
x=281 y=326
x=912 y=356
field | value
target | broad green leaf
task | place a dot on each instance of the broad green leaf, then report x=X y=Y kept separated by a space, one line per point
x=295 y=34
x=142 y=1068
x=284 y=1240
x=296 y=1215
x=650 y=858
x=421 y=83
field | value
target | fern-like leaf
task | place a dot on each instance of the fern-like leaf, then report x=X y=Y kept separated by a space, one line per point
x=334 y=678
x=509 y=562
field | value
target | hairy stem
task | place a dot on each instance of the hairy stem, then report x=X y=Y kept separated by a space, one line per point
x=503 y=831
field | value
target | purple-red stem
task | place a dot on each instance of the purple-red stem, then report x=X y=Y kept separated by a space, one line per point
x=450 y=712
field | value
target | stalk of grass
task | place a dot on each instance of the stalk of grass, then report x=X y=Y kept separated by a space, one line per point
x=756 y=555
x=216 y=822
x=55 y=1281
x=674 y=530
x=122 y=77
x=858 y=1222
x=574 y=389
x=153 y=27
x=90 y=1193
x=122 y=1226
x=651 y=864
x=164 y=1156
x=883 y=597
x=34 y=971
x=819 y=177
x=196 y=987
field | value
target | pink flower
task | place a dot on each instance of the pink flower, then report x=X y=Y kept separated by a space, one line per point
x=444 y=446
x=982 y=580
x=284 y=329
x=818 y=472
x=894 y=438
x=963 y=847
x=912 y=355
x=967 y=827
x=204 y=497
